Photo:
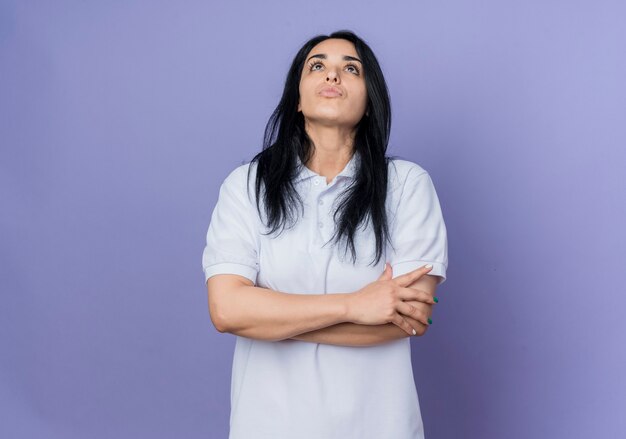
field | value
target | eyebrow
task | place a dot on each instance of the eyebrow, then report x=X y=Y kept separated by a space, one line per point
x=345 y=57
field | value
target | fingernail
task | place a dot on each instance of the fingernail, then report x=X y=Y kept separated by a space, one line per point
x=430 y=322
x=436 y=299
x=414 y=331
x=428 y=266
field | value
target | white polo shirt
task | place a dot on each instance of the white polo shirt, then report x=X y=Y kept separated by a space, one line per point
x=294 y=389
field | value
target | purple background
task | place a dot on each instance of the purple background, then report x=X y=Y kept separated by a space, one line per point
x=119 y=120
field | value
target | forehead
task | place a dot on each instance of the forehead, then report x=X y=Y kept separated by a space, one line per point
x=334 y=46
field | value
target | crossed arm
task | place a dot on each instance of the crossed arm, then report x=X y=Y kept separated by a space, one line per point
x=238 y=314
x=354 y=334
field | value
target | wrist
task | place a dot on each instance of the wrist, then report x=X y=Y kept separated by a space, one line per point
x=347 y=300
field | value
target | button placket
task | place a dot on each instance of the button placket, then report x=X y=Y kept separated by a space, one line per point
x=321 y=213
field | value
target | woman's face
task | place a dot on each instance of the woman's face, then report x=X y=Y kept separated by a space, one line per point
x=332 y=84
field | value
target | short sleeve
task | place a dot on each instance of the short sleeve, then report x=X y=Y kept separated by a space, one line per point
x=232 y=239
x=418 y=231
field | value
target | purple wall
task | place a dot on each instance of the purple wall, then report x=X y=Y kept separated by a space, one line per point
x=119 y=120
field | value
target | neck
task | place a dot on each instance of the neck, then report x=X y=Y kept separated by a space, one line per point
x=332 y=148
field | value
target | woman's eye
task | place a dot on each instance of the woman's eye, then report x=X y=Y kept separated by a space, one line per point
x=349 y=66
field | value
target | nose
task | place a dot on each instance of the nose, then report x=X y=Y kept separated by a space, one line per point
x=333 y=76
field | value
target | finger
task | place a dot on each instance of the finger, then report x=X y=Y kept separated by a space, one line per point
x=407 y=279
x=399 y=321
x=420 y=328
x=406 y=309
x=386 y=275
x=415 y=294
x=425 y=307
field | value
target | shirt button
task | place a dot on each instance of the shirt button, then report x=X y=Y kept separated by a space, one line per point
x=320 y=224
x=316 y=182
x=321 y=202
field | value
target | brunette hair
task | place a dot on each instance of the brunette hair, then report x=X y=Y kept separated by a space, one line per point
x=285 y=140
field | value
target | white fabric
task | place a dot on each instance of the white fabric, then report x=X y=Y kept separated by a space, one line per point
x=295 y=389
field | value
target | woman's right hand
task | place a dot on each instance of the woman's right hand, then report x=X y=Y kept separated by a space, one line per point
x=384 y=301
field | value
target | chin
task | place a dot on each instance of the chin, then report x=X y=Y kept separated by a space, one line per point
x=327 y=114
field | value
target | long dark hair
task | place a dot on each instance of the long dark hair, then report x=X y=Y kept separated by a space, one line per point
x=285 y=140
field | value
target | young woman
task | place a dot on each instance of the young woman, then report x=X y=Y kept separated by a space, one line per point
x=296 y=260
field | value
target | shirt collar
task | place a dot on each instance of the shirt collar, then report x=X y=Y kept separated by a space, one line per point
x=349 y=171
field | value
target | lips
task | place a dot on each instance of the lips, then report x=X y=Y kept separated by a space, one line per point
x=330 y=92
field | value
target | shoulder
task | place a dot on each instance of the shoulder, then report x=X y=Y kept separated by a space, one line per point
x=240 y=181
x=400 y=170
x=241 y=175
